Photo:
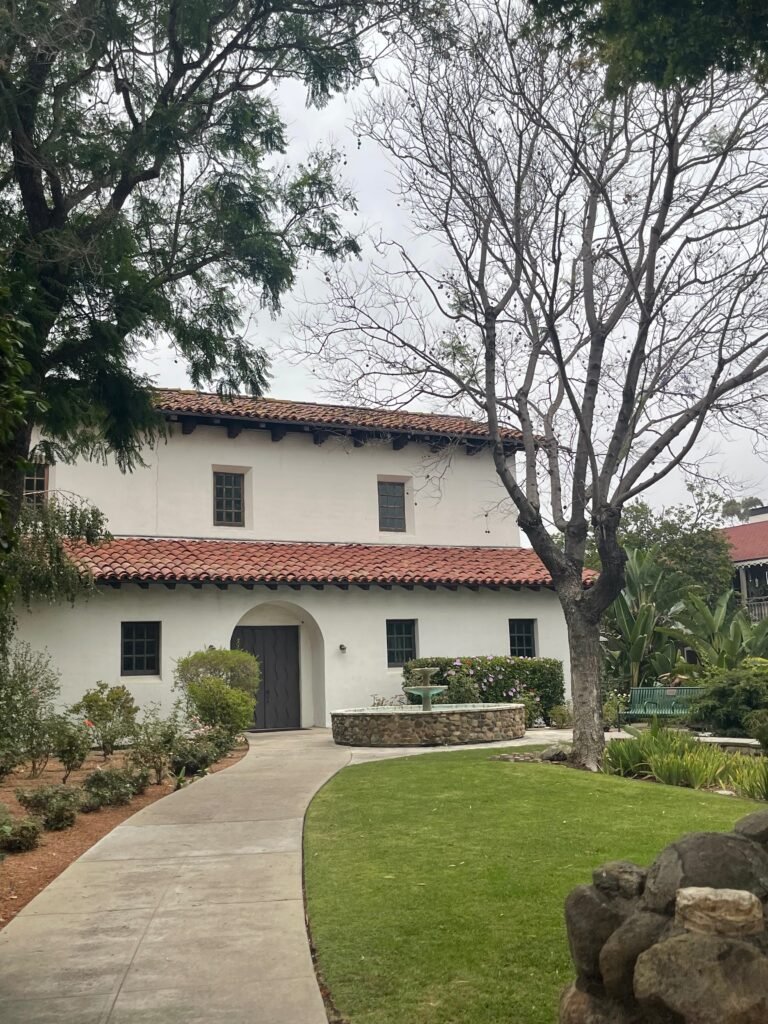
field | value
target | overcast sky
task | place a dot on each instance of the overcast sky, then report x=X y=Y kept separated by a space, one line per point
x=727 y=458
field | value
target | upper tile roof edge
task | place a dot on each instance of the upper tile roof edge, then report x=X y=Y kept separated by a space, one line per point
x=749 y=541
x=185 y=400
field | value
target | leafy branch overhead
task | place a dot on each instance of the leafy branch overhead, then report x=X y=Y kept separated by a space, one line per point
x=143 y=195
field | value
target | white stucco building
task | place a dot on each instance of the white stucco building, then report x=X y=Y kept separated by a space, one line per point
x=333 y=542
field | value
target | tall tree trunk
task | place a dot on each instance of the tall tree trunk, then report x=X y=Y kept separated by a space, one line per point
x=584 y=644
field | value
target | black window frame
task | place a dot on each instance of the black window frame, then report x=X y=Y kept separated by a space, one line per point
x=391 y=504
x=224 y=498
x=522 y=638
x=401 y=648
x=132 y=626
x=34 y=493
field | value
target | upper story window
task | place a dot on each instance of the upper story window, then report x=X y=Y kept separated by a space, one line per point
x=36 y=483
x=140 y=649
x=522 y=638
x=228 y=499
x=401 y=641
x=392 y=506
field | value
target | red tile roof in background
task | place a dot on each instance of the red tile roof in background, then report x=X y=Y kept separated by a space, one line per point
x=276 y=410
x=749 y=543
x=241 y=561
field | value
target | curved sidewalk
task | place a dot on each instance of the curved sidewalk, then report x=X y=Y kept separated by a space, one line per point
x=191 y=911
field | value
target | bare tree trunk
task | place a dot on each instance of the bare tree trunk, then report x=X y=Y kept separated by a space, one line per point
x=584 y=644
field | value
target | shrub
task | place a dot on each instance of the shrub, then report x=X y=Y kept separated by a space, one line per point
x=71 y=743
x=56 y=806
x=614 y=704
x=561 y=716
x=238 y=669
x=217 y=704
x=757 y=726
x=20 y=835
x=153 y=743
x=110 y=787
x=10 y=758
x=28 y=692
x=749 y=776
x=220 y=739
x=191 y=756
x=112 y=711
x=492 y=679
x=731 y=696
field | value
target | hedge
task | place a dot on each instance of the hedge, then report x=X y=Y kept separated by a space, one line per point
x=492 y=679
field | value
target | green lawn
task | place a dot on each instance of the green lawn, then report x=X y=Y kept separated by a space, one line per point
x=435 y=884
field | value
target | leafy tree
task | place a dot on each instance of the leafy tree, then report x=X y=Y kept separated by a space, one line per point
x=141 y=195
x=36 y=566
x=687 y=545
x=740 y=508
x=665 y=41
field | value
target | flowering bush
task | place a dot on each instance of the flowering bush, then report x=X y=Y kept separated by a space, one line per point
x=111 y=712
x=535 y=682
x=71 y=743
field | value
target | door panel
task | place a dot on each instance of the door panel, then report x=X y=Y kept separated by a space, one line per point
x=277 y=648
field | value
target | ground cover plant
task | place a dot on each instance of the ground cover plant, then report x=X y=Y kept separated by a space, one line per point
x=435 y=884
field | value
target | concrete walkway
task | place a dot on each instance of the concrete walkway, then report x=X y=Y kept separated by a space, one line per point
x=191 y=911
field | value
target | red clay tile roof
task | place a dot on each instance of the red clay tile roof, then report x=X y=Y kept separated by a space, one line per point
x=242 y=561
x=277 y=410
x=749 y=543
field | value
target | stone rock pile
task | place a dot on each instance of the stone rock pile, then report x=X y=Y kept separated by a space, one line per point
x=683 y=942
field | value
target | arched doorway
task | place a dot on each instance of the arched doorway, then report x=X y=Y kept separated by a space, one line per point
x=289 y=645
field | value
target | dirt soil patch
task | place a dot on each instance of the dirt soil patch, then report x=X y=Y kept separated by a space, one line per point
x=24 y=875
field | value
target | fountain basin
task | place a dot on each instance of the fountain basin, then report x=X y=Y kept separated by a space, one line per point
x=408 y=725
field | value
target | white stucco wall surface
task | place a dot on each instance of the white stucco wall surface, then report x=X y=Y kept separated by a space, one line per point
x=84 y=640
x=296 y=490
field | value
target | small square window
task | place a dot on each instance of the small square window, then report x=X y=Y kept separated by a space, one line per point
x=392 y=506
x=401 y=641
x=522 y=638
x=36 y=483
x=140 y=649
x=229 y=499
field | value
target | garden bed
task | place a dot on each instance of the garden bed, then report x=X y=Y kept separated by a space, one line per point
x=24 y=875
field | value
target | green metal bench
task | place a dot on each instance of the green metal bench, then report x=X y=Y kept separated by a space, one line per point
x=661 y=701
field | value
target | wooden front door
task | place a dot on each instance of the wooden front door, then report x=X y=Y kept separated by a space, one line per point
x=277 y=648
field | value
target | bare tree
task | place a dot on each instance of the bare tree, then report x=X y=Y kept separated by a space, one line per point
x=601 y=281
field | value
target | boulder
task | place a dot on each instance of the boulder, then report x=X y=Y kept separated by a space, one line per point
x=577 y=1007
x=589 y=919
x=754 y=827
x=703 y=979
x=712 y=859
x=733 y=912
x=620 y=878
x=554 y=754
x=619 y=954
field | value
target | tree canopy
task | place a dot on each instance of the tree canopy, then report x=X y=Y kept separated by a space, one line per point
x=143 y=194
x=664 y=42
x=691 y=554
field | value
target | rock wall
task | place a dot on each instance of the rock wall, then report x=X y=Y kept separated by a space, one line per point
x=683 y=942
x=417 y=728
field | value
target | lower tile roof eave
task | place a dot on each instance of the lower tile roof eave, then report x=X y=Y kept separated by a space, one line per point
x=145 y=581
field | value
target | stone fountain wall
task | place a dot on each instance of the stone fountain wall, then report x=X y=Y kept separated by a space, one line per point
x=411 y=727
x=684 y=942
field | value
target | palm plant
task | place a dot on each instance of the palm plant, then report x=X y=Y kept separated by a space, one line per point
x=720 y=640
x=637 y=652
